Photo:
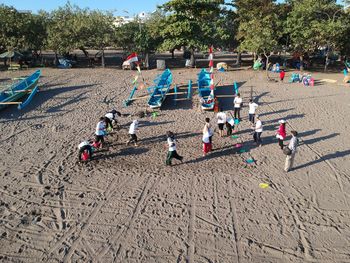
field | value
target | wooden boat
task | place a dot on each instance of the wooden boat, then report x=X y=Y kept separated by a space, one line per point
x=206 y=95
x=25 y=87
x=159 y=92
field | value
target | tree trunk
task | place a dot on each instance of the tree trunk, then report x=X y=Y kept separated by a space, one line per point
x=239 y=59
x=254 y=56
x=84 y=51
x=172 y=53
x=146 y=64
x=267 y=66
x=55 y=62
x=326 y=62
x=192 y=58
x=301 y=63
x=103 y=58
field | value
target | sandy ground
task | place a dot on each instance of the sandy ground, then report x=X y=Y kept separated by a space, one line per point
x=127 y=206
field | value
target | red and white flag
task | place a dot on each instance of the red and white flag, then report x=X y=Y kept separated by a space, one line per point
x=132 y=58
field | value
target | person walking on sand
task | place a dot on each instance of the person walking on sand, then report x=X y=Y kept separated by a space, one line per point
x=281 y=133
x=172 y=153
x=230 y=125
x=282 y=75
x=292 y=150
x=132 y=132
x=100 y=132
x=222 y=118
x=207 y=137
x=257 y=131
x=252 y=108
x=237 y=106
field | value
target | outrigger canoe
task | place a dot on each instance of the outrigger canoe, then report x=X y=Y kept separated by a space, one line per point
x=25 y=87
x=206 y=95
x=163 y=84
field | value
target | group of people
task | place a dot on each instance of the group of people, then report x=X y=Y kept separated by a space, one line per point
x=106 y=123
x=229 y=122
x=103 y=127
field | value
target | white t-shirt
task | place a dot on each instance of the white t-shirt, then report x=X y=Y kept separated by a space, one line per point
x=82 y=144
x=231 y=121
x=252 y=107
x=205 y=138
x=133 y=128
x=221 y=117
x=110 y=116
x=172 y=145
x=100 y=128
x=237 y=102
x=258 y=126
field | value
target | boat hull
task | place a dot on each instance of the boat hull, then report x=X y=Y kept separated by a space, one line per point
x=18 y=90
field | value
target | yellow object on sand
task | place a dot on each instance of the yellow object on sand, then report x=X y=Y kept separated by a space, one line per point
x=263 y=185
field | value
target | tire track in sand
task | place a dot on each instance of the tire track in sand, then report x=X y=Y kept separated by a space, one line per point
x=77 y=230
x=117 y=240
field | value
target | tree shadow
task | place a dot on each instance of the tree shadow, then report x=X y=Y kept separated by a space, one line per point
x=123 y=152
x=226 y=95
x=275 y=112
x=224 y=151
x=151 y=123
x=287 y=118
x=179 y=101
x=337 y=154
x=43 y=96
x=162 y=138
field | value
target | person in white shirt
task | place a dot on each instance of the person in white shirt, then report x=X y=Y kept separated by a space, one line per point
x=207 y=137
x=172 y=153
x=293 y=147
x=85 y=151
x=132 y=132
x=258 y=131
x=222 y=118
x=111 y=118
x=252 y=108
x=100 y=132
x=237 y=106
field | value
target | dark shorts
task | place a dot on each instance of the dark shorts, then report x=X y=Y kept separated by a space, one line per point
x=221 y=126
x=99 y=138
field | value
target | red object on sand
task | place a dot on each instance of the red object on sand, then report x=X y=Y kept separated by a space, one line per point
x=85 y=156
x=282 y=74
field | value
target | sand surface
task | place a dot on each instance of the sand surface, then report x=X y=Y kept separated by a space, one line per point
x=127 y=206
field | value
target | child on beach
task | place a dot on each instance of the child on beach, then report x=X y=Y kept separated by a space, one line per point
x=207 y=137
x=257 y=131
x=237 y=106
x=282 y=74
x=172 y=153
x=85 y=151
x=230 y=125
x=132 y=132
x=100 y=131
x=281 y=133
x=112 y=118
x=221 y=116
x=293 y=148
x=252 y=108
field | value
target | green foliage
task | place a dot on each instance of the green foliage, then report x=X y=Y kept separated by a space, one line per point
x=21 y=30
x=191 y=23
x=260 y=28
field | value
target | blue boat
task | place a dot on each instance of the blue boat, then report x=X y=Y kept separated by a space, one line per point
x=160 y=90
x=25 y=87
x=206 y=95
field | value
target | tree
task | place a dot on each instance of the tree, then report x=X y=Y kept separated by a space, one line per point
x=190 y=23
x=260 y=28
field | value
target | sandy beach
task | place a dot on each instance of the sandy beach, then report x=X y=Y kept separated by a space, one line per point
x=127 y=206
